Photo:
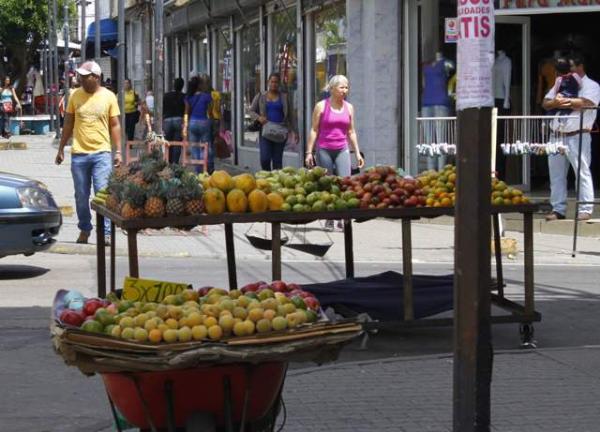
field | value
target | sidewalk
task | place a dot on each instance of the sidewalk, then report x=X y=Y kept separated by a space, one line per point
x=374 y=241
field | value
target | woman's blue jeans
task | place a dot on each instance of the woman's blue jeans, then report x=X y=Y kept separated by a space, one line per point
x=88 y=169
x=271 y=152
x=200 y=131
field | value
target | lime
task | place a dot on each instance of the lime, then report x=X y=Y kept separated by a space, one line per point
x=92 y=326
x=291 y=200
x=319 y=206
x=286 y=207
x=298 y=208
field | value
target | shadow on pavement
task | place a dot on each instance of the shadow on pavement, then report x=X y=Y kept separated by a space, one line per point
x=11 y=271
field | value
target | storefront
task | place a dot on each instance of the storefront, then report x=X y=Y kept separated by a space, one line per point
x=529 y=33
x=306 y=42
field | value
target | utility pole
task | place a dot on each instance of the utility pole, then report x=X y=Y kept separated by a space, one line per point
x=159 y=76
x=97 y=52
x=83 y=28
x=473 y=350
x=67 y=52
x=121 y=71
x=56 y=59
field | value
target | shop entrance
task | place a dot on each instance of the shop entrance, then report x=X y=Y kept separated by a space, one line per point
x=563 y=34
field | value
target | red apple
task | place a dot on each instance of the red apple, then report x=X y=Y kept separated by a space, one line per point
x=377 y=189
x=368 y=187
x=279 y=286
x=251 y=287
x=293 y=286
x=204 y=290
x=91 y=305
x=312 y=303
x=411 y=201
x=71 y=317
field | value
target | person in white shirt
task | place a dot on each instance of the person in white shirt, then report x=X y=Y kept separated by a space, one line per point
x=558 y=164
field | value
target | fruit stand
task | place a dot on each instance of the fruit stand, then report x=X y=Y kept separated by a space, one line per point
x=524 y=314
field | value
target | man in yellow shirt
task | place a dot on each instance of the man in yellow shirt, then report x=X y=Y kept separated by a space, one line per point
x=92 y=119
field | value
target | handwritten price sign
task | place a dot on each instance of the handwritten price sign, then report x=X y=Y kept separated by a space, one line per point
x=146 y=290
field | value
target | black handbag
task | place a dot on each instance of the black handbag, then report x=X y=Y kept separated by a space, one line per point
x=255 y=126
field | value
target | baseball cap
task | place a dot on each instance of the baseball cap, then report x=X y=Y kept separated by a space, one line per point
x=89 y=67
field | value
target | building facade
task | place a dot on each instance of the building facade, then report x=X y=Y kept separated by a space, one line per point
x=383 y=46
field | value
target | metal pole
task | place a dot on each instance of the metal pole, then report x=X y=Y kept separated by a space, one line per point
x=159 y=77
x=56 y=59
x=97 y=52
x=67 y=52
x=121 y=69
x=83 y=28
x=44 y=71
x=50 y=67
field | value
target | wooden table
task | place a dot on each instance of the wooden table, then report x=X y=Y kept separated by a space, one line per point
x=521 y=313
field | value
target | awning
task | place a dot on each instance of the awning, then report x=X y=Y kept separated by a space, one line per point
x=108 y=31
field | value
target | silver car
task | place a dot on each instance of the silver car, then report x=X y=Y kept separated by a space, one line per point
x=29 y=217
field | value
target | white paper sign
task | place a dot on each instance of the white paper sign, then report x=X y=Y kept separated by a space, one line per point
x=475 y=54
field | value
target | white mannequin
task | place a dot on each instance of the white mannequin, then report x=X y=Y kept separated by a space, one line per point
x=502 y=74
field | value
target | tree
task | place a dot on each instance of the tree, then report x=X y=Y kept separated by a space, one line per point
x=24 y=27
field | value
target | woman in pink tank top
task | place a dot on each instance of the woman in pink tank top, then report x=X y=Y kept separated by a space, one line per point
x=333 y=130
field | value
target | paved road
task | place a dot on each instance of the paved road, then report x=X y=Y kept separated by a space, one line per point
x=402 y=382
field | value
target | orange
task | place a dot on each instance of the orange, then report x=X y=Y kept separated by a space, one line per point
x=155 y=336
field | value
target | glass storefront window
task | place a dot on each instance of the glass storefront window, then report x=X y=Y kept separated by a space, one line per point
x=285 y=62
x=250 y=77
x=330 y=46
x=201 y=66
x=224 y=77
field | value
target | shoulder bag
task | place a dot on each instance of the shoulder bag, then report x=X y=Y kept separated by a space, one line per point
x=275 y=132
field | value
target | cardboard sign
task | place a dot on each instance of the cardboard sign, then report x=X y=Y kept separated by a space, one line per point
x=451 y=30
x=475 y=54
x=147 y=290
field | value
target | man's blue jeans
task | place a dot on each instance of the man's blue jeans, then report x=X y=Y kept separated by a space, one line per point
x=172 y=130
x=87 y=169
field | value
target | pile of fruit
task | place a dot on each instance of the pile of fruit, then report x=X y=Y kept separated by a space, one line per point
x=439 y=188
x=240 y=194
x=207 y=314
x=383 y=187
x=288 y=189
x=152 y=188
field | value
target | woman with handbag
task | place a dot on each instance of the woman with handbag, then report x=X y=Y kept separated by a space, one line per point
x=197 y=126
x=8 y=98
x=271 y=109
x=333 y=131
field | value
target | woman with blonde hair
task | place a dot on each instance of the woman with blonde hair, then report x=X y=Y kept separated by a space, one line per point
x=333 y=132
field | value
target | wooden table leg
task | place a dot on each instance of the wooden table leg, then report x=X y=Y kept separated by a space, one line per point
x=529 y=288
x=100 y=255
x=349 y=248
x=134 y=270
x=276 y=250
x=230 y=249
x=409 y=313
x=498 y=254
x=113 y=236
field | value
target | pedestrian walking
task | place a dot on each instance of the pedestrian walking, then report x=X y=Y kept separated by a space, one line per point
x=8 y=102
x=92 y=120
x=173 y=111
x=132 y=113
x=569 y=131
x=272 y=110
x=197 y=126
x=332 y=131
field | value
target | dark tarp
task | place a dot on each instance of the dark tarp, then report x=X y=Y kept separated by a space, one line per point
x=381 y=295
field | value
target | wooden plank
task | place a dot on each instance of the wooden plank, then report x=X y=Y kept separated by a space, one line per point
x=349 y=248
x=230 y=249
x=528 y=263
x=498 y=254
x=409 y=311
x=134 y=270
x=113 y=238
x=100 y=256
x=276 y=251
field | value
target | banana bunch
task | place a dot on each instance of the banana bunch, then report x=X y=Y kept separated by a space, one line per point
x=100 y=197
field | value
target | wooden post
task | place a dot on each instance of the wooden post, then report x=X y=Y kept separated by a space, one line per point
x=472 y=297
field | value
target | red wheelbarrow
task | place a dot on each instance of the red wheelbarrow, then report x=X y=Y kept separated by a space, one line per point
x=244 y=395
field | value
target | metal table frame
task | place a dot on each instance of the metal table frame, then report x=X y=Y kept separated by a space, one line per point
x=518 y=313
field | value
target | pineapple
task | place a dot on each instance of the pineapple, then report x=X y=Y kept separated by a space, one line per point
x=115 y=190
x=175 y=198
x=165 y=174
x=155 y=203
x=193 y=195
x=134 y=197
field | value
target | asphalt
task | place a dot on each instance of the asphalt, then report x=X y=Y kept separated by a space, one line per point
x=402 y=382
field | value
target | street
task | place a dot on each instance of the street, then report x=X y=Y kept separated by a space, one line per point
x=401 y=382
